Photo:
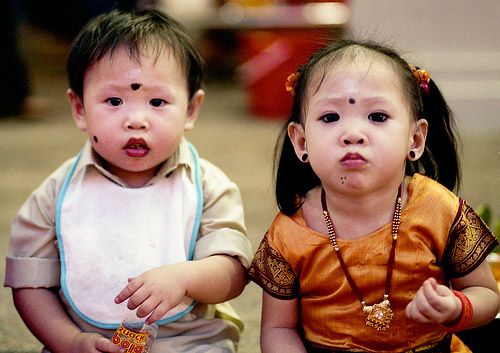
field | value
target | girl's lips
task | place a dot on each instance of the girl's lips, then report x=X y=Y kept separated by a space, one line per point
x=353 y=160
x=136 y=148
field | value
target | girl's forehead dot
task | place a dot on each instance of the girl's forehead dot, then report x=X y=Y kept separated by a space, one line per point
x=352 y=101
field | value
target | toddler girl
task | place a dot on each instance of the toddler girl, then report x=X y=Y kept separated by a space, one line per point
x=371 y=251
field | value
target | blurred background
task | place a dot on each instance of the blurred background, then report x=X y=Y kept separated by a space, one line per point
x=250 y=47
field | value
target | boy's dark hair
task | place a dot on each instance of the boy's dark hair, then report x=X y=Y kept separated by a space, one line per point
x=135 y=30
x=439 y=161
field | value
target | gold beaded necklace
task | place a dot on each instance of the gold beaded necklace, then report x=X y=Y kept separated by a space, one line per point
x=378 y=315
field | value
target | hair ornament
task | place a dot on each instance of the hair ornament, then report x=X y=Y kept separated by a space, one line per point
x=423 y=78
x=291 y=82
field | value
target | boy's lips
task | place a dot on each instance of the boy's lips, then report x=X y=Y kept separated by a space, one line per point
x=136 y=147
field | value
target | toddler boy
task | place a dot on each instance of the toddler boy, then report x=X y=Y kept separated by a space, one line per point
x=137 y=220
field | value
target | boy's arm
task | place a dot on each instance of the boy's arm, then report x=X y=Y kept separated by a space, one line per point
x=214 y=279
x=43 y=313
x=222 y=228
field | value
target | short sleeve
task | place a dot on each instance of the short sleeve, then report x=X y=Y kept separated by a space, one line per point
x=222 y=228
x=469 y=242
x=33 y=259
x=273 y=273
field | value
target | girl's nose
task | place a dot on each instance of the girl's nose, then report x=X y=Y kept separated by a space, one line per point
x=353 y=136
x=350 y=141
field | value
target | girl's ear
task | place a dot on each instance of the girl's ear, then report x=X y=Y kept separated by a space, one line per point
x=77 y=110
x=417 y=147
x=297 y=136
x=194 y=109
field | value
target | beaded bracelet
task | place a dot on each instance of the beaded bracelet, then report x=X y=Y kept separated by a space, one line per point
x=465 y=317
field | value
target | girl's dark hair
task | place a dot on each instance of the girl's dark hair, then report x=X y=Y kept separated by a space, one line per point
x=135 y=30
x=439 y=161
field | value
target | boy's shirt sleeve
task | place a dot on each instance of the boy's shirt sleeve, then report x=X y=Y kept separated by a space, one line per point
x=222 y=228
x=33 y=259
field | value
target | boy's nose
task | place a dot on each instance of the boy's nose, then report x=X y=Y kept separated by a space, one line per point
x=136 y=121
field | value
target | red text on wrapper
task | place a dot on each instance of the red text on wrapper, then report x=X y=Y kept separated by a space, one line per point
x=131 y=341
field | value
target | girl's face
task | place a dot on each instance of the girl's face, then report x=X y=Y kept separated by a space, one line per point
x=357 y=129
x=135 y=112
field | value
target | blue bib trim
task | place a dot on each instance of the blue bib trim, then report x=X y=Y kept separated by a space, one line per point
x=194 y=237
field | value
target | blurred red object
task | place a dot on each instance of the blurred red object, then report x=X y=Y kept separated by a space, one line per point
x=275 y=40
x=269 y=57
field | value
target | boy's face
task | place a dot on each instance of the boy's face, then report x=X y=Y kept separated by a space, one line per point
x=135 y=112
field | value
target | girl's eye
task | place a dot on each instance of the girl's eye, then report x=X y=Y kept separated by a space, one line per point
x=378 y=117
x=114 y=101
x=330 y=117
x=157 y=102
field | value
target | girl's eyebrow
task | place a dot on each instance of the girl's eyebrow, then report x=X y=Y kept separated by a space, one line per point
x=330 y=100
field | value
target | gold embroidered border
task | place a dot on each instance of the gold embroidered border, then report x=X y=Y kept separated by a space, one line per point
x=273 y=273
x=469 y=242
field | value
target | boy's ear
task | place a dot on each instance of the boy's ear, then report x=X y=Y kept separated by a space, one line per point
x=296 y=134
x=77 y=110
x=194 y=109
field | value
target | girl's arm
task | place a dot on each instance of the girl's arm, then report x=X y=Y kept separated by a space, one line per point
x=280 y=319
x=214 y=279
x=44 y=314
x=437 y=303
x=481 y=288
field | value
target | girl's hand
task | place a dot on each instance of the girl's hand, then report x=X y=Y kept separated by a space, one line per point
x=434 y=303
x=92 y=343
x=155 y=292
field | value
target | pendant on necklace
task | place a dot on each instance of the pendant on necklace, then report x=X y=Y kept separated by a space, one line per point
x=379 y=315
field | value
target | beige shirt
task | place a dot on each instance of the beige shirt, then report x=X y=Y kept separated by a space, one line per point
x=33 y=259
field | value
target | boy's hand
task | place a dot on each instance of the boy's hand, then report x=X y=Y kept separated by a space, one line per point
x=434 y=303
x=156 y=291
x=93 y=343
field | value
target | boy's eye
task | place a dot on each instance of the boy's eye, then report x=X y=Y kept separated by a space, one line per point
x=330 y=117
x=157 y=102
x=378 y=117
x=114 y=101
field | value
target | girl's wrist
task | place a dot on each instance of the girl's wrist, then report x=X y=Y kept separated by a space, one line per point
x=464 y=319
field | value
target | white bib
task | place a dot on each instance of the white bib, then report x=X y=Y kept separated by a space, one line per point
x=108 y=233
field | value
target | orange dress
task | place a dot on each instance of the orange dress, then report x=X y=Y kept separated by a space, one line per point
x=440 y=236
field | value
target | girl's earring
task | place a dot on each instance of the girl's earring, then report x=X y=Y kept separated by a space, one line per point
x=304 y=157
x=412 y=155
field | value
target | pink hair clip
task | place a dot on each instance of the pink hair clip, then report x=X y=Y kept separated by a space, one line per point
x=423 y=78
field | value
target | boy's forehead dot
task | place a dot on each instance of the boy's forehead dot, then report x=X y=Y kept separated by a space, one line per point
x=352 y=100
x=135 y=86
